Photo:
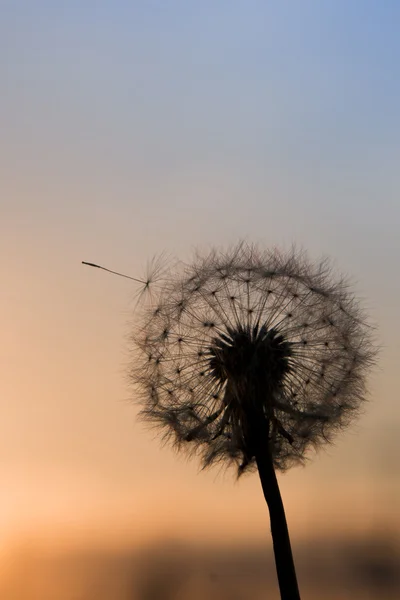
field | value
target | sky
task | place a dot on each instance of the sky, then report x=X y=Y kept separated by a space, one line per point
x=134 y=128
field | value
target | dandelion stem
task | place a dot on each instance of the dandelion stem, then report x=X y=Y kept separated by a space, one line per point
x=279 y=529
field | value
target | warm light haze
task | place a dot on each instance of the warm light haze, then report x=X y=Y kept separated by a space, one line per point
x=134 y=128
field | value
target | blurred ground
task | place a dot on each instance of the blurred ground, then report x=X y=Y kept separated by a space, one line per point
x=366 y=568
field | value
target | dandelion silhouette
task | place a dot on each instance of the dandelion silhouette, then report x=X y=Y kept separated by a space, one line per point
x=252 y=358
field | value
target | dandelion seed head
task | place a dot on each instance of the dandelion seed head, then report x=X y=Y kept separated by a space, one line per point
x=251 y=332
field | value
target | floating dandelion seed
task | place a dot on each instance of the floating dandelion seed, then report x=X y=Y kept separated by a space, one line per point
x=251 y=358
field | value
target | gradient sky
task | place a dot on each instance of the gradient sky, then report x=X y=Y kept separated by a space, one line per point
x=131 y=128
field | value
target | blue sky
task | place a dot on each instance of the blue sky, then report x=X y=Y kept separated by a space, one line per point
x=302 y=91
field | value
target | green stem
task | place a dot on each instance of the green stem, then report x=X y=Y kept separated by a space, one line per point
x=280 y=534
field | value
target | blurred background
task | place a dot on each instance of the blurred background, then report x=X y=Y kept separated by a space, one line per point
x=132 y=128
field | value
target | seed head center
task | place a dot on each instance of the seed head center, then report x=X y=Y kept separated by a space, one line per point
x=257 y=356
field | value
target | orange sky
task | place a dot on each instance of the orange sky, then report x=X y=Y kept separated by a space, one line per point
x=76 y=463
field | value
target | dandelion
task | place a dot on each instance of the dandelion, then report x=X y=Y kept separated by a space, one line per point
x=252 y=358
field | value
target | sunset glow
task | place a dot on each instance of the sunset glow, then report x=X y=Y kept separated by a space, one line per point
x=131 y=129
